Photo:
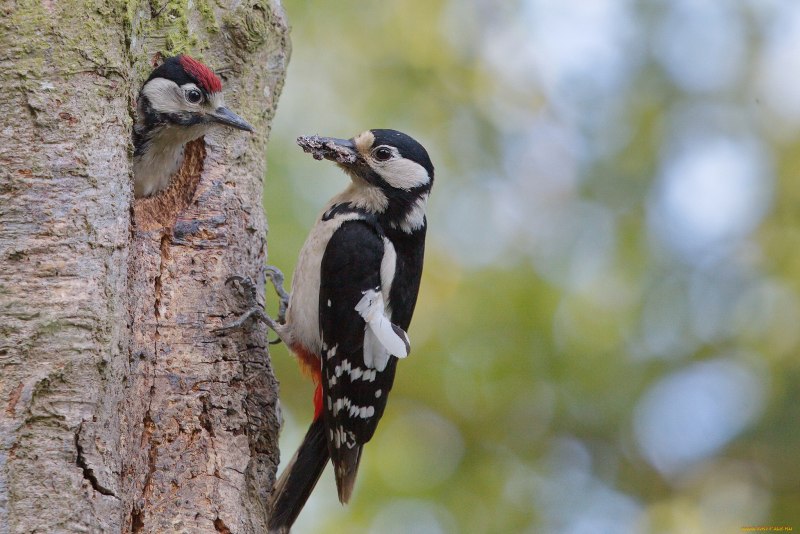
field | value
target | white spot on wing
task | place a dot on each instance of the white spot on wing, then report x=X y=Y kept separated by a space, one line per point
x=375 y=354
x=372 y=310
x=388 y=268
x=342 y=402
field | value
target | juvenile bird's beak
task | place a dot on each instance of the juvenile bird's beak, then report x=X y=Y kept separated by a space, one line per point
x=229 y=118
x=338 y=150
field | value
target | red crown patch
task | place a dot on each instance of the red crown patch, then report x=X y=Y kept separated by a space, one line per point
x=205 y=76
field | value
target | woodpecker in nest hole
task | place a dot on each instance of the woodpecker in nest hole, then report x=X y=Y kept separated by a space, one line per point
x=180 y=101
x=353 y=293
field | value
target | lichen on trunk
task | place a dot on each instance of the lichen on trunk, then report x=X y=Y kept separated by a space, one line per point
x=120 y=411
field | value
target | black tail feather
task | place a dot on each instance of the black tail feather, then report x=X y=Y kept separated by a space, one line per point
x=298 y=479
x=345 y=464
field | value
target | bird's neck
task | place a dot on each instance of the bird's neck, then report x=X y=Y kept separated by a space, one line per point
x=410 y=216
x=403 y=210
x=156 y=160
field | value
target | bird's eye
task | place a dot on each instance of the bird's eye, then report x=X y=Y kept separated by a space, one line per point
x=193 y=96
x=383 y=154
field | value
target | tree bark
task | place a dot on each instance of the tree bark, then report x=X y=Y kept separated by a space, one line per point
x=120 y=410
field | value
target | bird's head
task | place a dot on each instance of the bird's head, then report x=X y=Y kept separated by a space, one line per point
x=184 y=94
x=180 y=101
x=392 y=165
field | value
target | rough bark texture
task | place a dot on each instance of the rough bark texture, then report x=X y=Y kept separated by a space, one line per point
x=120 y=410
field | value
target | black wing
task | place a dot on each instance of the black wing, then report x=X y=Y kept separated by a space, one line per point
x=354 y=395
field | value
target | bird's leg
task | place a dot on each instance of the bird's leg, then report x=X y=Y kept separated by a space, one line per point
x=275 y=276
x=255 y=309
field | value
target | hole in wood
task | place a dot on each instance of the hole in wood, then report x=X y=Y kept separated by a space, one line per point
x=162 y=210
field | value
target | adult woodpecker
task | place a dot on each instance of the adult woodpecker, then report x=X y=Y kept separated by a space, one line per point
x=353 y=293
x=180 y=101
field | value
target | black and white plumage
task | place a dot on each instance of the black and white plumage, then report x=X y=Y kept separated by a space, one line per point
x=180 y=101
x=354 y=292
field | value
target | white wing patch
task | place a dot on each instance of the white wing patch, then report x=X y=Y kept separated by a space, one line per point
x=388 y=268
x=375 y=355
x=381 y=337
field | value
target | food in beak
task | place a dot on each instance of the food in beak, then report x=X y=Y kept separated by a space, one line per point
x=338 y=150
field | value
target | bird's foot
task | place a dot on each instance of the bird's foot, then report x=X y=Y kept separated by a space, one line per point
x=276 y=278
x=255 y=310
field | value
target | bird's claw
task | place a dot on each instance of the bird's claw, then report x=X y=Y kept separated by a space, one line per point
x=255 y=312
x=255 y=308
x=236 y=278
x=276 y=278
x=247 y=286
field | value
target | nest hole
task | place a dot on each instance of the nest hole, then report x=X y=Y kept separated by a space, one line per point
x=162 y=210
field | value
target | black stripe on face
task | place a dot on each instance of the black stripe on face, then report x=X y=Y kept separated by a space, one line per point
x=186 y=118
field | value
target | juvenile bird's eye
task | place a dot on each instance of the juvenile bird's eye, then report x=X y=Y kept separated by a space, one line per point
x=193 y=96
x=383 y=153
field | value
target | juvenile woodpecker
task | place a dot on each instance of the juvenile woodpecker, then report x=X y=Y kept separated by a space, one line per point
x=180 y=101
x=353 y=293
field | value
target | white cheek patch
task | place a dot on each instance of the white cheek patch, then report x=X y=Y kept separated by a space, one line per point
x=164 y=95
x=403 y=174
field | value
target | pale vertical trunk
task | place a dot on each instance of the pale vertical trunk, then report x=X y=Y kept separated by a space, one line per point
x=120 y=410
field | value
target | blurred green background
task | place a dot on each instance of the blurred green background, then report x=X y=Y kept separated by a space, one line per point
x=606 y=338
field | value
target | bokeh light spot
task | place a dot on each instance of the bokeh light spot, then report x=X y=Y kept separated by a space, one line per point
x=690 y=414
x=417 y=449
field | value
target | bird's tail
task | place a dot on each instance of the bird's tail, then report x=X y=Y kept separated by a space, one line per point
x=345 y=468
x=298 y=479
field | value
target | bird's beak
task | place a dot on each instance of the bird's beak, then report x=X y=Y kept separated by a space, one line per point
x=339 y=150
x=227 y=117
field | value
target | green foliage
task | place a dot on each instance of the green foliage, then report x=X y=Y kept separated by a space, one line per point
x=524 y=403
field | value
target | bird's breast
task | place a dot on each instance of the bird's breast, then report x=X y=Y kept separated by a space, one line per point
x=302 y=316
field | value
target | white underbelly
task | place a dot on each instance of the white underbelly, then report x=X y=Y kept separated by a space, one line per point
x=302 y=316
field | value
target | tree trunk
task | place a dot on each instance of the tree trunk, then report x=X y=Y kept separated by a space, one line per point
x=120 y=410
